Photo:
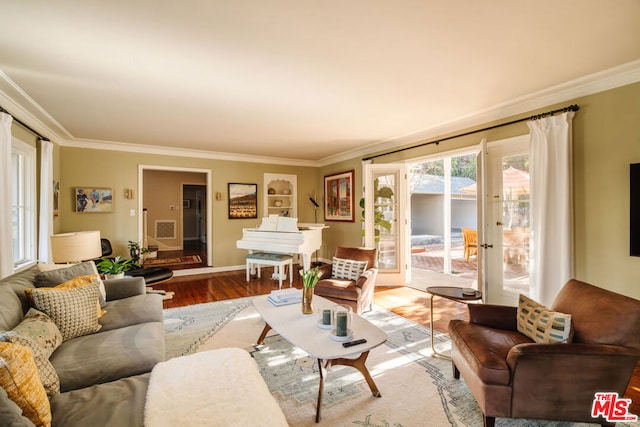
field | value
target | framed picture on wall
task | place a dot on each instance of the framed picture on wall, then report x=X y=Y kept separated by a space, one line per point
x=243 y=201
x=338 y=197
x=93 y=200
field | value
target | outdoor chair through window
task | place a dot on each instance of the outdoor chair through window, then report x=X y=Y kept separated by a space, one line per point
x=470 y=239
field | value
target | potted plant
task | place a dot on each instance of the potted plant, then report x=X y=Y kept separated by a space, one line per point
x=137 y=251
x=114 y=268
x=309 y=279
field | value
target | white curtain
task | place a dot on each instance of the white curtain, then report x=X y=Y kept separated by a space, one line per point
x=6 y=232
x=550 y=160
x=46 y=201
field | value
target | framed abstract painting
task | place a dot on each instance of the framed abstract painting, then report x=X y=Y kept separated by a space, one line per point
x=93 y=200
x=338 y=197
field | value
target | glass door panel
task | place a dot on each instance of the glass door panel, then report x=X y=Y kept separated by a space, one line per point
x=507 y=221
x=385 y=206
x=515 y=223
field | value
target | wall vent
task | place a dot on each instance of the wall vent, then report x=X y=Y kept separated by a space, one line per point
x=165 y=229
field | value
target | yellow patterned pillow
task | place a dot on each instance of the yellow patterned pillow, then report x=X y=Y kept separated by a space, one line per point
x=19 y=378
x=541 y=324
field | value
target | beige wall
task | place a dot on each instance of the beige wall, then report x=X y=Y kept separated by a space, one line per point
x=163 y=201
x=606 y=141
x=341 y=233
x=119 y=170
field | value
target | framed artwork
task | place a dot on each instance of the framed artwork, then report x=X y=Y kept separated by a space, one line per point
x=93 y=200
x=634 y=217
x=338 y=197
x=243 y=201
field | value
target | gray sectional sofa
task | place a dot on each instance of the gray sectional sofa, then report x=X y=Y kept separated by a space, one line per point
x=103 y=375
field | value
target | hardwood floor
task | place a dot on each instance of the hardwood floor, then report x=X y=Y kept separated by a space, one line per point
x=407 y=302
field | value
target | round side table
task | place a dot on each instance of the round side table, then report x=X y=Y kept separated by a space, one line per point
x=454 y=294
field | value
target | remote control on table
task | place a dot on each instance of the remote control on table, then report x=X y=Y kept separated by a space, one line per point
x=352 y=343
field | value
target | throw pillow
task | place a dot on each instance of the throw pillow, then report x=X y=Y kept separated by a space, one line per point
x=347 y=268
x=19 y=378
x=10 y=413
x=81 y=281
x=541 y=324
x=73 y=310
x=52 y=275
x=41 y=329
x=46 y=372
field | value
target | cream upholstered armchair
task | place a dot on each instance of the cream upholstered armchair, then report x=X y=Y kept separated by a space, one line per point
x=348 y=280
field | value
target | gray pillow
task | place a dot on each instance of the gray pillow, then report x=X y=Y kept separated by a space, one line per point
x=52 y=278
x=10 y=413
x=10 y=308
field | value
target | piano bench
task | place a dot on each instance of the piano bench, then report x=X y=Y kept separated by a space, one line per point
x=278 y=261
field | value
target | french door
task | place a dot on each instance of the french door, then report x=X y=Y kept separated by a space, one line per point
x=386 y=222
x=505 y=238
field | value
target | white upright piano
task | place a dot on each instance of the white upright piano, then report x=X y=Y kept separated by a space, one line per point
x=284 y=235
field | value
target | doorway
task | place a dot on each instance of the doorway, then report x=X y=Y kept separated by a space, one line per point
x=194 y=214
x=443 y=199
x=167 y=213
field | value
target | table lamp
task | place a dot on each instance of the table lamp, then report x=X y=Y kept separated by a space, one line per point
x=75 y=247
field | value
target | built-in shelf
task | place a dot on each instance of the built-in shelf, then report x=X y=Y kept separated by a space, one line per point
x=281 y=195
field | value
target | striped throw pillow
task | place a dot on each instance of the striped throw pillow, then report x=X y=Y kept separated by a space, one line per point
x=347 y=268
x=541 y=324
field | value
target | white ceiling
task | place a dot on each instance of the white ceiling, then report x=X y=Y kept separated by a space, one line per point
x=293 y=79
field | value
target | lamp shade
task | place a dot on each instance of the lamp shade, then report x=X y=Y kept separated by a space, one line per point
x=75 y=247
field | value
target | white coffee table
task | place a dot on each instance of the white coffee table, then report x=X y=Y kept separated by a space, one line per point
x=303 y=332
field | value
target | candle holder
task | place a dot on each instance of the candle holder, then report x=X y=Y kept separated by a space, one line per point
x=342 y=317
x=325 y=318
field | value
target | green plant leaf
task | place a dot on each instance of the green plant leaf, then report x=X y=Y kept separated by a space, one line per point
x=385 y=192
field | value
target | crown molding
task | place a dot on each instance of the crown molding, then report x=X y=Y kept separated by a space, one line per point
x=182 y=152
x=19 y=103
x=23 y=107
x=611 y=78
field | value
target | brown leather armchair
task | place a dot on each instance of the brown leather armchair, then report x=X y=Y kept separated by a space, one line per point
x=513 y=377
x=358 y=294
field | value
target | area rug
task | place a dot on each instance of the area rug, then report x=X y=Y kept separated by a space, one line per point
x=166 y=295
x=189 y=259
x=187 y=327
x=417 y=389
